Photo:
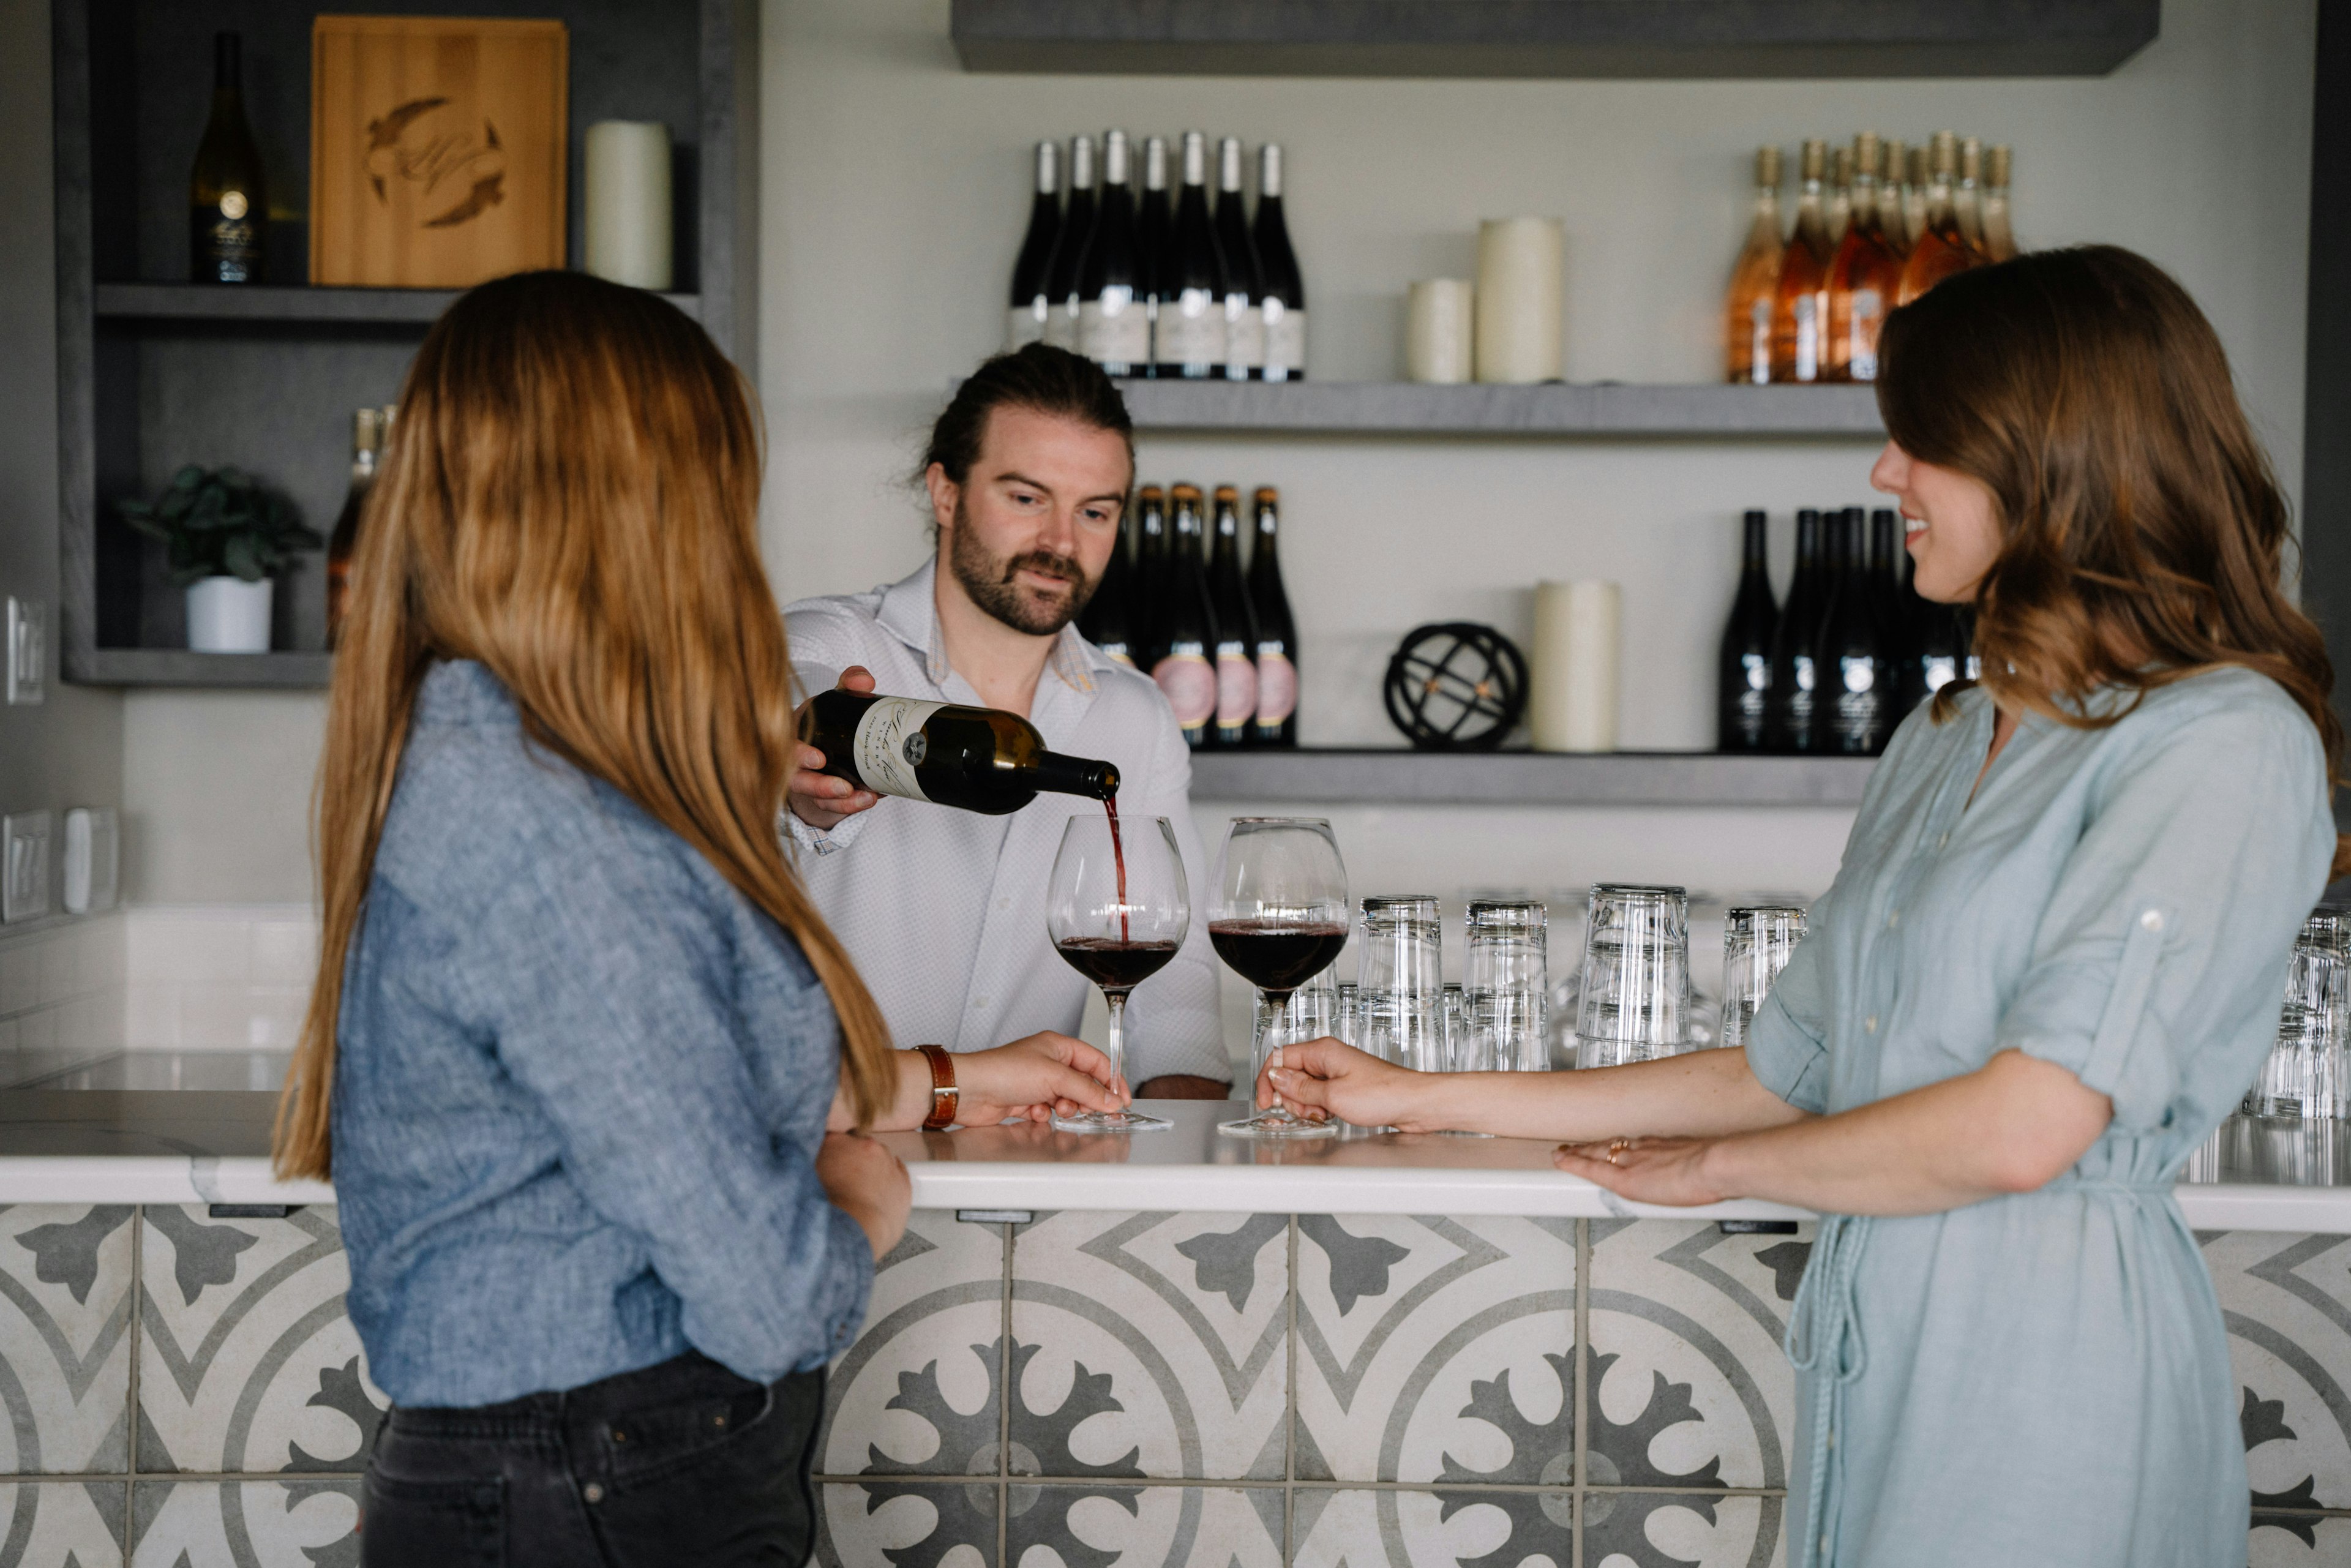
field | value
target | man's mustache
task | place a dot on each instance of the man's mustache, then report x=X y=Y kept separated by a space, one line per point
x=1046 y=563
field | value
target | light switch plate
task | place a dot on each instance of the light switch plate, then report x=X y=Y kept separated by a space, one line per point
x=93 y=858
x=27 y=648
x=23 y=866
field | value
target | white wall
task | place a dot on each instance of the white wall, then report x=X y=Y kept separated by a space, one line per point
x=893 y=196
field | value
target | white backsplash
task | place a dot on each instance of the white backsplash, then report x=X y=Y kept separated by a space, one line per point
x=61 y=992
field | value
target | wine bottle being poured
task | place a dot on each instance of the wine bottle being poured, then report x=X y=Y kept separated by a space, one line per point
x=974 y=758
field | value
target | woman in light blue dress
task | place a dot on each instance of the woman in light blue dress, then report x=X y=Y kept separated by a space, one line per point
x=2050 y=963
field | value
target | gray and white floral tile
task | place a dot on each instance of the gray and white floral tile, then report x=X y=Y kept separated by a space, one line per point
x=2308 y=1541
x=1435 y=1350
x=61 y=1524
x=1143 y=1527
x=1396 y=1528
x=917 y=1393
x=1682 y=1529
x=65 y=1341
x=906 y=1525
x=247 y=1362
x=245 y=1525
x=1688 y=1385
x=1150 y=1345
x=2286 y=1301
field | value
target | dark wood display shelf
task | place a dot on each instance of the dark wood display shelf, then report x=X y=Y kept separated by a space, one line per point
x=294 y=307
x=1351 y=777
x=179 y=667
x=1556 y=410
x=1657 y=38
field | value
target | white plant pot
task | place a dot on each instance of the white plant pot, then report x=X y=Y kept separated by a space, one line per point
x=229 y=615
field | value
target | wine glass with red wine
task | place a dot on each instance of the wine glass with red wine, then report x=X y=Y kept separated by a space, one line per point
x=1278 y=918
x=1117 y=910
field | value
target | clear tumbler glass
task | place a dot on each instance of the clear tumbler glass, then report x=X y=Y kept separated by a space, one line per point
x=1399 y=982
x=2306 y=1073
x=1506 y=978
x=1757 y=941
x=1633 y=1000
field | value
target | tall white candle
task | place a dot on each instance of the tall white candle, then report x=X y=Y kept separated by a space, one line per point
x=1437 y=328
x=1571 y=703
x=1522 y=291
x=628 y=216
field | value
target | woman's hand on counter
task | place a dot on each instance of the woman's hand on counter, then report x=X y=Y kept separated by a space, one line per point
x=867 y=1183
x=1033 y=1078
x=1320 y=1079
x=1668 y=1171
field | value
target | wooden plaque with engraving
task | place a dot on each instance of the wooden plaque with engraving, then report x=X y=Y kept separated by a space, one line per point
x=438 y=149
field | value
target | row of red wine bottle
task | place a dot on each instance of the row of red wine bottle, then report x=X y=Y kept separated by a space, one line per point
x=1215 y=633
x=1143 y=289
x=1853 y=648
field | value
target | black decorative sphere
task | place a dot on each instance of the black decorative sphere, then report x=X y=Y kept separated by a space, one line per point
x=1456 y=687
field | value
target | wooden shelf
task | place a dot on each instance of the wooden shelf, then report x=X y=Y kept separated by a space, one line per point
x=179 y=667
x=1606 y=409
x=1654 y=39
x=1350 y=777
x=297 y=307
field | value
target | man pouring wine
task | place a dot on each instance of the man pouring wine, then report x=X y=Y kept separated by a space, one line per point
x=1027 y=472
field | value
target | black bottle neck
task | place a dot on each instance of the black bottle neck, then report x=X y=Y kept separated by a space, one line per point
x=1755 y=547
x=225 y=73
x=1059 y=774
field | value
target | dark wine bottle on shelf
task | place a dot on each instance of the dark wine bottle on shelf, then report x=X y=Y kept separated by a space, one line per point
x=1789 y=702
x=367 y=441
x=1938 y=653
x=1743 y=671
x=1031 y=302
x=1277 y=634
x=1282 y=288
x=974 y=758
x=228 y=196
x=1153 y=230
x=1113 y=327
x=1152 y=569
x=1244 y=297
x=1853 y=677
x=1236 y=627
x=1191 y=335
x=1183 y=648
x=1107 y=622
x=1069 y=254
x=1888 y=561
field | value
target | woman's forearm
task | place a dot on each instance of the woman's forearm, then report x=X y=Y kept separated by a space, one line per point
x=2013 y=1126
x=1703 y=1094
x=910 y=1102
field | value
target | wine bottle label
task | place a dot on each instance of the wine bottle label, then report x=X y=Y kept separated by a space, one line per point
x=1285 y=342
x=1277 y=686
x=1060 y=327
x=1024 y=325
x=1759 y=343
x=1235 y=687
x=889 y=745
x=1243 y=335
x=1863 y=344
x=1808 y=337
x=1189 y=681
x=1115 y=329
x=1191 y=330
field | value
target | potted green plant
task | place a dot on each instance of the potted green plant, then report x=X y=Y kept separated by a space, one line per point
x=223 y=536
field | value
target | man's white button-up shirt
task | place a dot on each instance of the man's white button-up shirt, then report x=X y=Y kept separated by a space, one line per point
x=944 y=910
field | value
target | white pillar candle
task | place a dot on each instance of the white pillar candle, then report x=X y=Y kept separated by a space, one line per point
x=627 y=215
x=1437 y=327
x=1571 y=705
x=1522 y=291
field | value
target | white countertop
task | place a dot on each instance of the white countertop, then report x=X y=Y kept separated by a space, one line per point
x=201 y=1146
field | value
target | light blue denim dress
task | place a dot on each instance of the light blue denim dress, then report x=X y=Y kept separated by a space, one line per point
x=2044 y=1379
x=581 y=1083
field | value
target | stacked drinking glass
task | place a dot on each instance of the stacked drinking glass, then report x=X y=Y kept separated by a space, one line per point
x=1633 y=1003
x=2307 y=1074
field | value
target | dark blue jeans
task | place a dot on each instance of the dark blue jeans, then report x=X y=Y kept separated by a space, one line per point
x=683 y=1463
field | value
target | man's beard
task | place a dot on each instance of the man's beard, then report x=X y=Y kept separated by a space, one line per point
x=988 y=580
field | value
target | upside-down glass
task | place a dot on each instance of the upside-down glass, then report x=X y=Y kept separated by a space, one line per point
x=1278 y=917
x=1633 y=1000
x=1757 y=941
x=2306 y=1073
x=1506 y=981
x=1117 y=909
x=1399 y=981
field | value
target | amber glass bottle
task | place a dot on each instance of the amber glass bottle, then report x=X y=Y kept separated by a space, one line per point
x=1864 y=273
x=1914 y=199
x=1840 y=207
x=1967 y=193
x=1755 y=279
x=1942 y=248
x=1892 y=226
x=1799 y=307
x=1998 y=238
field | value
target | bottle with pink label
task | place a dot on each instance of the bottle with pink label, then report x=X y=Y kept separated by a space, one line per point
x=1236 y=627
x=1276 y=723
x=1185 y=640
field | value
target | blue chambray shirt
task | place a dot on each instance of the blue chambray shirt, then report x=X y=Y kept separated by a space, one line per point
x=581 y=1083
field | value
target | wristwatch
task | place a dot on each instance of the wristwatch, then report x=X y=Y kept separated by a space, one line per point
x=943 y=1088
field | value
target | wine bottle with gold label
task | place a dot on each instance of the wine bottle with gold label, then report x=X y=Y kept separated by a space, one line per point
x=228 y=199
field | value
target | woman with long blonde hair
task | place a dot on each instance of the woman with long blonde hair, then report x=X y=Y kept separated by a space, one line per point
x=578 y=1032
x=2050 y=963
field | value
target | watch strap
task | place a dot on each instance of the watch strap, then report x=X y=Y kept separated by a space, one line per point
x=944 y=1095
